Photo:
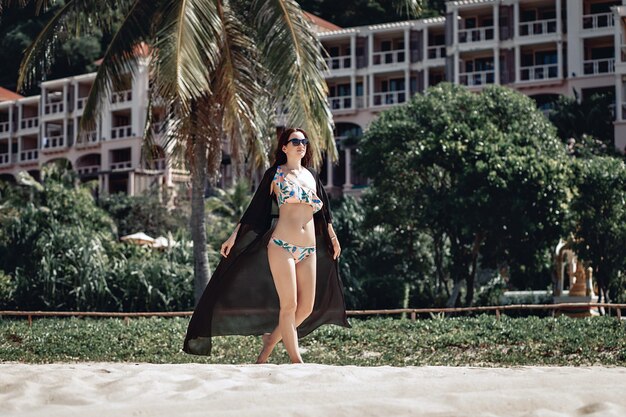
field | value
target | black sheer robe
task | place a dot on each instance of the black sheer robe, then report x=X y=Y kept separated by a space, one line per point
x=241 y=299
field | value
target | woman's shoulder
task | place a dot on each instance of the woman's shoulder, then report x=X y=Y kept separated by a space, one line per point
x=313 y=172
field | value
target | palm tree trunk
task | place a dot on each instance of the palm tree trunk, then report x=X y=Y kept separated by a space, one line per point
x=198 y=227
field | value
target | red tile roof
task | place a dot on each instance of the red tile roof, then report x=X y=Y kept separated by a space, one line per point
x=7 y=95
x=321 y=24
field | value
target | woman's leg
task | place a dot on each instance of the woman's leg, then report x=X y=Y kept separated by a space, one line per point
x=283 y=270
x=305 y=282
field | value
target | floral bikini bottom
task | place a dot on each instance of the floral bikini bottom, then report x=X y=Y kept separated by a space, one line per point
x=298 y=253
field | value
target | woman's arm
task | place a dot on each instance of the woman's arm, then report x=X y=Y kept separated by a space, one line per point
x=334 y=240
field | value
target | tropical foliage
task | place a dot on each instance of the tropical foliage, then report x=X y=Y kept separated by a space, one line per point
x=588 y=121
x=599 y=215
x=483 y=175
x=59 y=251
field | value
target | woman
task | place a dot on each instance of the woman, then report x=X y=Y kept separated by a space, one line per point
x=277 y=279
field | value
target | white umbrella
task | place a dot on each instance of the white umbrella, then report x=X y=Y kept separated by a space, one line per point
x=139 y=238
x=163 y=242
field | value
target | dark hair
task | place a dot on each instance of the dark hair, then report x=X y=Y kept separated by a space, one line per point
x=280 y=158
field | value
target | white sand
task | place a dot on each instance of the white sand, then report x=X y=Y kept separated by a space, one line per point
x=127 y=389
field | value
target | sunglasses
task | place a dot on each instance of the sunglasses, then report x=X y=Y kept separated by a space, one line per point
x=297 y=141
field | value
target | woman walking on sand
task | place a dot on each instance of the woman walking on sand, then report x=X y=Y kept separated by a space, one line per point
x=278 y=279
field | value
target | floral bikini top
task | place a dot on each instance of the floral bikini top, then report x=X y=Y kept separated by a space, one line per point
x=291 y=192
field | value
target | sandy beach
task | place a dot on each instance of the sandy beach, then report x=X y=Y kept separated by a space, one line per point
x=143 y=389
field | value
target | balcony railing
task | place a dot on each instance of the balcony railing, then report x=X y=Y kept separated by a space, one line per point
x=599 y=66
x=436 y=52
x=80 y=103
x=598 y=21
x=5 y=158
x=29 y=155
x=52 y=108
x=340 y=102
x=121 y=132
x=389 y=57
x=339 y=62
x=476 y=34
x=122 y=96
x=539 y=72
x=477 y=78
x=5 y=127
x=86 y=170
x=389 y=97
x=157 y=164
x=537 y=27
x=87 y=138
x=29 y=123
x=118 y=166
x=52 y=142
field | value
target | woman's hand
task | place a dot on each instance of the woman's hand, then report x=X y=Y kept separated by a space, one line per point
x=336 y=248
x=227 y=246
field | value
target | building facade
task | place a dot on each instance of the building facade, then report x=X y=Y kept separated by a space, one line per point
x=542 y=48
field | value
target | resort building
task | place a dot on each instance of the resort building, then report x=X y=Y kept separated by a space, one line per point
x=542 y=48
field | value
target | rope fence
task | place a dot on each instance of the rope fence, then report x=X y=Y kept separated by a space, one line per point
x=413 y=312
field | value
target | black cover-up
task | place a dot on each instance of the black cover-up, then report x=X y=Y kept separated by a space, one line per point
x=241 y=299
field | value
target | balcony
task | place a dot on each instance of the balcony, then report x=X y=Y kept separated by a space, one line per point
x=29 y=123
x=121 y=132
x=598 y=21
x=53 y=142
x=29 y=155
x=121 y=97
x=86 y=170
x=537 y=27
x=539 y=72
x=339 y=62
x=80 y=103
x=481 y=34
x=5 y=158
x=599 y=66
x=120 y=166
x=87 y=138
x=436 y=51
x=389 y=98
x=53 y=108
x=340 y=102
x=389 y=57
x=5 y=127
x=477 y=78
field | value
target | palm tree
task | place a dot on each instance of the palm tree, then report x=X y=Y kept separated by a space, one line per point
x=221 y=66
x=230 y=203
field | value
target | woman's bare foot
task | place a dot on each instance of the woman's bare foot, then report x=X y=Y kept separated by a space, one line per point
x=267 y=349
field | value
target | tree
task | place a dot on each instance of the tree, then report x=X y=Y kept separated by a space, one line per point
x=20 y=26
x=588 y=121
x=482 y=174
x=212 y=62
x=599 y=214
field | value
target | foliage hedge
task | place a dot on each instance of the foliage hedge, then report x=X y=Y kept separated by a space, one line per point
x=475 y=341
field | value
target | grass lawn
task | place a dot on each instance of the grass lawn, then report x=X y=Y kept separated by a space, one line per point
x=473 y=341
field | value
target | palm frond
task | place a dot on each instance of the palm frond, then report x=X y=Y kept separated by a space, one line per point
x=75 y=16
x=292 y=55
x=188 y=48
x=236 y=85
x=38 y=56
x=411 y=8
